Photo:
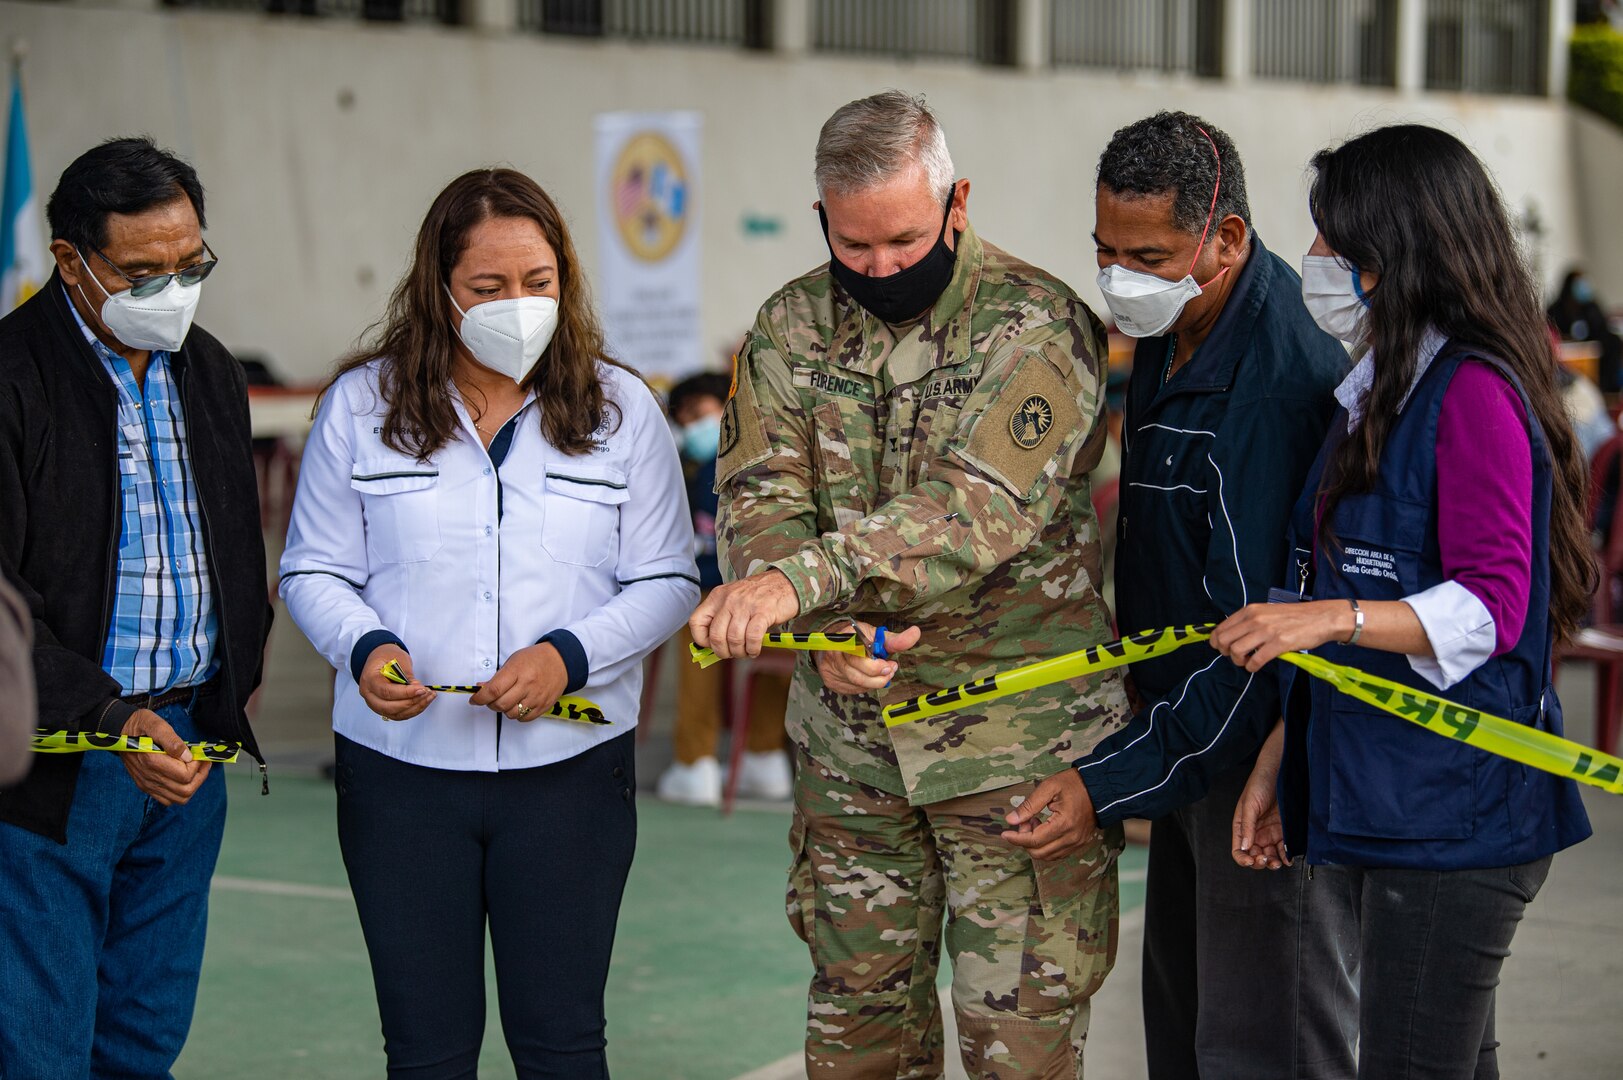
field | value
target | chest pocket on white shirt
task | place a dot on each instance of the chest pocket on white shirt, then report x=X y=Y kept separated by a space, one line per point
x=400 y=500
x=582 y=522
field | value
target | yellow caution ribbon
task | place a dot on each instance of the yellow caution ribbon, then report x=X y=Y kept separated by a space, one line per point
x=47 y=741
x=1518 y=742
x=568 y=707
x=1075 y=665
x=846 y=643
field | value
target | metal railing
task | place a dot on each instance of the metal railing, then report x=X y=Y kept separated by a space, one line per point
x=979 y=30
x=1326 y=41
x=713 y=22
x=447 y=12
x=1487 y=46
x=1159 y=35
x=578 y=18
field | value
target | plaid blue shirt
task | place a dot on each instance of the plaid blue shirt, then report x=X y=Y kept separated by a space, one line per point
x=164 y=625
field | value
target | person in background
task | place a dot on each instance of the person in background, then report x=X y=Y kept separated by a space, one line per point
x=1230 y=396
x=129 y=522
x=1443 y=546
x=1578 y=315
x=486 y=498
x=694 y=778
x=1592 y=422
x=19 y=718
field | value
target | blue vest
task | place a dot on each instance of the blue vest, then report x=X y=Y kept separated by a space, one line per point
x=1361 y=787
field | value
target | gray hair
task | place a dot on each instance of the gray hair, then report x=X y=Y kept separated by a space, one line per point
x=868 y=141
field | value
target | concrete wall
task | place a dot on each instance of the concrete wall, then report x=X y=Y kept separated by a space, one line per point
x=322 y=143
x=1598 y=174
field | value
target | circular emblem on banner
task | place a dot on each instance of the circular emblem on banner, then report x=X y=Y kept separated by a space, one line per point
x=1030 y=423
x=648 y=193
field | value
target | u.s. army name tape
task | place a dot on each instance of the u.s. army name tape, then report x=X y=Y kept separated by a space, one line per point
x=846 y=643
x=47 y=741
x=567 y=707
x=1518 y=742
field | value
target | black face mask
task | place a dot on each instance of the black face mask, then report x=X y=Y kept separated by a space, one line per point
x=906 y=294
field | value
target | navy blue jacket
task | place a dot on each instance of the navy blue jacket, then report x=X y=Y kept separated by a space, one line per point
x=1213 y=462
x=702 y=505
x=1364 y=788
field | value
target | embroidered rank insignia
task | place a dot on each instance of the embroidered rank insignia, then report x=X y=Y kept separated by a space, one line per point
x=1031 y=422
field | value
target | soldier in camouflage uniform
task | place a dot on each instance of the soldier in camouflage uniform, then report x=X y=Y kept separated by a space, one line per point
x=925 y=465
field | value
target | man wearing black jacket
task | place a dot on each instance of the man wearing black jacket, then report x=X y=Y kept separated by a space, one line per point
x=1246 y=974
x=130 y=525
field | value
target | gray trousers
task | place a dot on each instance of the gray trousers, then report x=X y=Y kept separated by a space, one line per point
x=1248 y=974
x=1433 y=943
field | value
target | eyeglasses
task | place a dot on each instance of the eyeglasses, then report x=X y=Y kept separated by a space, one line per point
x=153 y=284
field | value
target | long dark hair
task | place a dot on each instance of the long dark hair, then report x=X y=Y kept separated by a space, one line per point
x=1415 y=206
x=417 y=339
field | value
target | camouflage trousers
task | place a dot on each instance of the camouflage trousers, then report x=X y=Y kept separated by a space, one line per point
x=1029 y=942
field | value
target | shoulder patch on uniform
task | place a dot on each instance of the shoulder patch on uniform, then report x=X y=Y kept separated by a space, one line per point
x=742 y=345
x=743 y=442
x=1032 y=422
x=1014 y=440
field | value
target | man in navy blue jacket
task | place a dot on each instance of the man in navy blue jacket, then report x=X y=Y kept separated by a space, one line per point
x=1245 y=974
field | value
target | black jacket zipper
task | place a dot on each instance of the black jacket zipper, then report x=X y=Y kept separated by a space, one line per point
x=244 y=736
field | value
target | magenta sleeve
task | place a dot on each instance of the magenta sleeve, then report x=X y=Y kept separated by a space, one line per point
x=1485 y=496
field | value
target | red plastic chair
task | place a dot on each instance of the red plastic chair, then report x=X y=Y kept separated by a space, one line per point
x=1601 y=643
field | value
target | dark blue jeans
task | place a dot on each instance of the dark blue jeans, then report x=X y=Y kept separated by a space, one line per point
x=541 y=854
x=101 y=939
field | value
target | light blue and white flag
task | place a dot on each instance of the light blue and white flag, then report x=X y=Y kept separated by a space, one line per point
x=24 y=263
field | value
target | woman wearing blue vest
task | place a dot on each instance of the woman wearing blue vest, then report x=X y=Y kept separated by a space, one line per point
x=1439 y=542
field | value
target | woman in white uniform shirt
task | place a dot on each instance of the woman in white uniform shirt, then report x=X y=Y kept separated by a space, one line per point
x=487 y=498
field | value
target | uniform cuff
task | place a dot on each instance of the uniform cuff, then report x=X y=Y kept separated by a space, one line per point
x=370 y=640
x=814 y=580
x=574 y=658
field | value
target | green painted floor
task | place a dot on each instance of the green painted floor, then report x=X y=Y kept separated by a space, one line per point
x=707 y=983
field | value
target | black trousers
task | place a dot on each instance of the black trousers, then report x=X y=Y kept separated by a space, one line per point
x=1433 y=942
x=1248 y=974
x=542 y=854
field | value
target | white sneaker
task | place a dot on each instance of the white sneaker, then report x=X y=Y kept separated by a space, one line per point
x=698 y=784
x=765 y=776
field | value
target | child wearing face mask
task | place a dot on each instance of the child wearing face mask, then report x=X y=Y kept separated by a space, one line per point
x=694 y=778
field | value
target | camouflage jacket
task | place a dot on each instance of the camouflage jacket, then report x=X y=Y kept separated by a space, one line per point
x=934 y=474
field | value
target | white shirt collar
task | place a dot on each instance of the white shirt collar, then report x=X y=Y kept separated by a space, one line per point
x=1354 y=389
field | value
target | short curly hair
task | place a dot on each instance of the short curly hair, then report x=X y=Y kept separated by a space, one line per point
x=1166 y=153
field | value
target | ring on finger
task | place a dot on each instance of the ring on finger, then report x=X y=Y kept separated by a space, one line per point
x=522 y=711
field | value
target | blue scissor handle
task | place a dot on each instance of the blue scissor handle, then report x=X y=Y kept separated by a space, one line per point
x=879 y=652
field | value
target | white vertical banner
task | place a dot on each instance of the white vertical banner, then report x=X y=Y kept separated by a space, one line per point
x=648 y=239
